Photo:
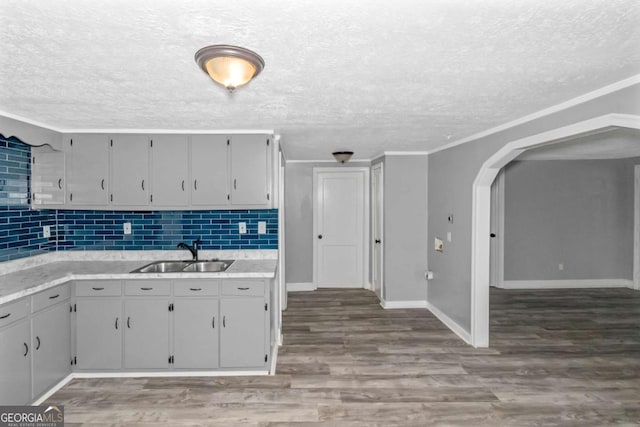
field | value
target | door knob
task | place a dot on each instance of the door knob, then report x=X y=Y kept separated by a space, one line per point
x=319 y=236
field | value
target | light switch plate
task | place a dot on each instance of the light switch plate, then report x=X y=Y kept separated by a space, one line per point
x=262 y=227
x=242 y=227
x=449 y=236
x=126 y=227
x=46 y=231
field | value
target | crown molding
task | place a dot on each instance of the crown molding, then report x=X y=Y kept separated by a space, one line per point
x=589 y=96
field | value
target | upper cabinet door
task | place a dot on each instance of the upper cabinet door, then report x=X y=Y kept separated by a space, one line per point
x=130 y=170
x=87 y=169
x=47 y=177
x=169 y=170
x=209 y=170
x=250 y=170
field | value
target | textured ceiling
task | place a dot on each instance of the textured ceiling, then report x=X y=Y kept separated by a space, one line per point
x=613 y=144
x=368 y=75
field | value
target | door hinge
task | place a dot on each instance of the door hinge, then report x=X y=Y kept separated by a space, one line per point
x=265 y=358
x=265 y=307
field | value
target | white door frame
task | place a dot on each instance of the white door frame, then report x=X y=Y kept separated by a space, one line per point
x=636 y=229
x=374 y=208
x=367 y=213
x=481 y=207
x=497 y=227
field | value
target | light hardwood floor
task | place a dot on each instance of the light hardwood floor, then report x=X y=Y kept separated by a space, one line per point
x=557 y=357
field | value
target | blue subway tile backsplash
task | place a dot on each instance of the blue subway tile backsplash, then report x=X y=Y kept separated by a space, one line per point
x=21 y=227
x=162 y=230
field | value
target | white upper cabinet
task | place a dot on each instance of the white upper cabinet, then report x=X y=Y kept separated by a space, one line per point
x=250 y=169
x=169 y=178
x=47 y=176
x=210 y=170
x=130 y=170
x=87 y=169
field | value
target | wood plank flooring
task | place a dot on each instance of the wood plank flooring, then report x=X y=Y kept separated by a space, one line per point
x=557 y=357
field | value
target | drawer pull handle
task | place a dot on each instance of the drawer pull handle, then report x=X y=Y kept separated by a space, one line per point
x=60 y=183
x=5 y=316
x=213 y=322
x=243 y=289
x=195 y=289
x=146 y=289
x=54 y=296
x=129 y=322
x=26 y=349
x=98 y=289
x=116 y=323
x=224 y=321
x=38 y=345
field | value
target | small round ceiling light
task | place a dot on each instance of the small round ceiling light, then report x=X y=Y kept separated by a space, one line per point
x=230 y=66
x=342 y=156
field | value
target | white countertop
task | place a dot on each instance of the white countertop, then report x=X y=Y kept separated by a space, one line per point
x=27 y=281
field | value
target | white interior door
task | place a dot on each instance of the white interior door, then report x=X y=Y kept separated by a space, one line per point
x=636 y=232
x=377 y=193
x=340 y=203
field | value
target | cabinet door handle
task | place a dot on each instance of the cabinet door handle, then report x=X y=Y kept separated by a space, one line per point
x=97 y=289
x=38 y=345
x=26 y=349
x=146 y=289
x=195 y=289
x=5 y=316
x=116 y=323
x=129 y=322
x=234 y=184
x=102 y=184
x=183 y=185
x=54 y=296
x=224 y=321
x=243 y=289
x=213 y=322
x=195 y=184
x=60 y=183
x=143 y=185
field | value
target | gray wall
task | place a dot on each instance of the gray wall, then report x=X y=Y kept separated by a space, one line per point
x=451 y=176
x=299 y=218
x=405 y=228
x=575 y=212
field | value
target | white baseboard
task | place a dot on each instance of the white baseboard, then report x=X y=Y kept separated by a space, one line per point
x=566 y=284
x=300 y=287
x=450 y=323
x=53 y=389
x=368 y=286
x=274 y=359
x=390 y=305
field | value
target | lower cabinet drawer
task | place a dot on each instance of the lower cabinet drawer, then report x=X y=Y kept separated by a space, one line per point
x=50 y=297
x=243 y=287
x=99 y=288
x=147 y=287
x=196 y=288
x=13 y=311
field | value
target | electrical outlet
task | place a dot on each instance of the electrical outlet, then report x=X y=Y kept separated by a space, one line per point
x=438 y=245
x=242 y=227
x=126 y=227
x=46 y=231
x=262 y=227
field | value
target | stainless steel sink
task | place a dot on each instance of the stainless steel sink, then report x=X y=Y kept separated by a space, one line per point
x=184 y=267
x=207 y=266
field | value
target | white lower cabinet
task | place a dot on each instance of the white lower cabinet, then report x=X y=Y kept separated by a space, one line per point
x=242 y=337
x=98 y=333
x=146 y=333
x=195 y=333
x=51 y=347
x=15 y=364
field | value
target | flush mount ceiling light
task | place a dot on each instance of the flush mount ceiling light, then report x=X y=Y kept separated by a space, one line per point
x=342 y=156
x=230 y=66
